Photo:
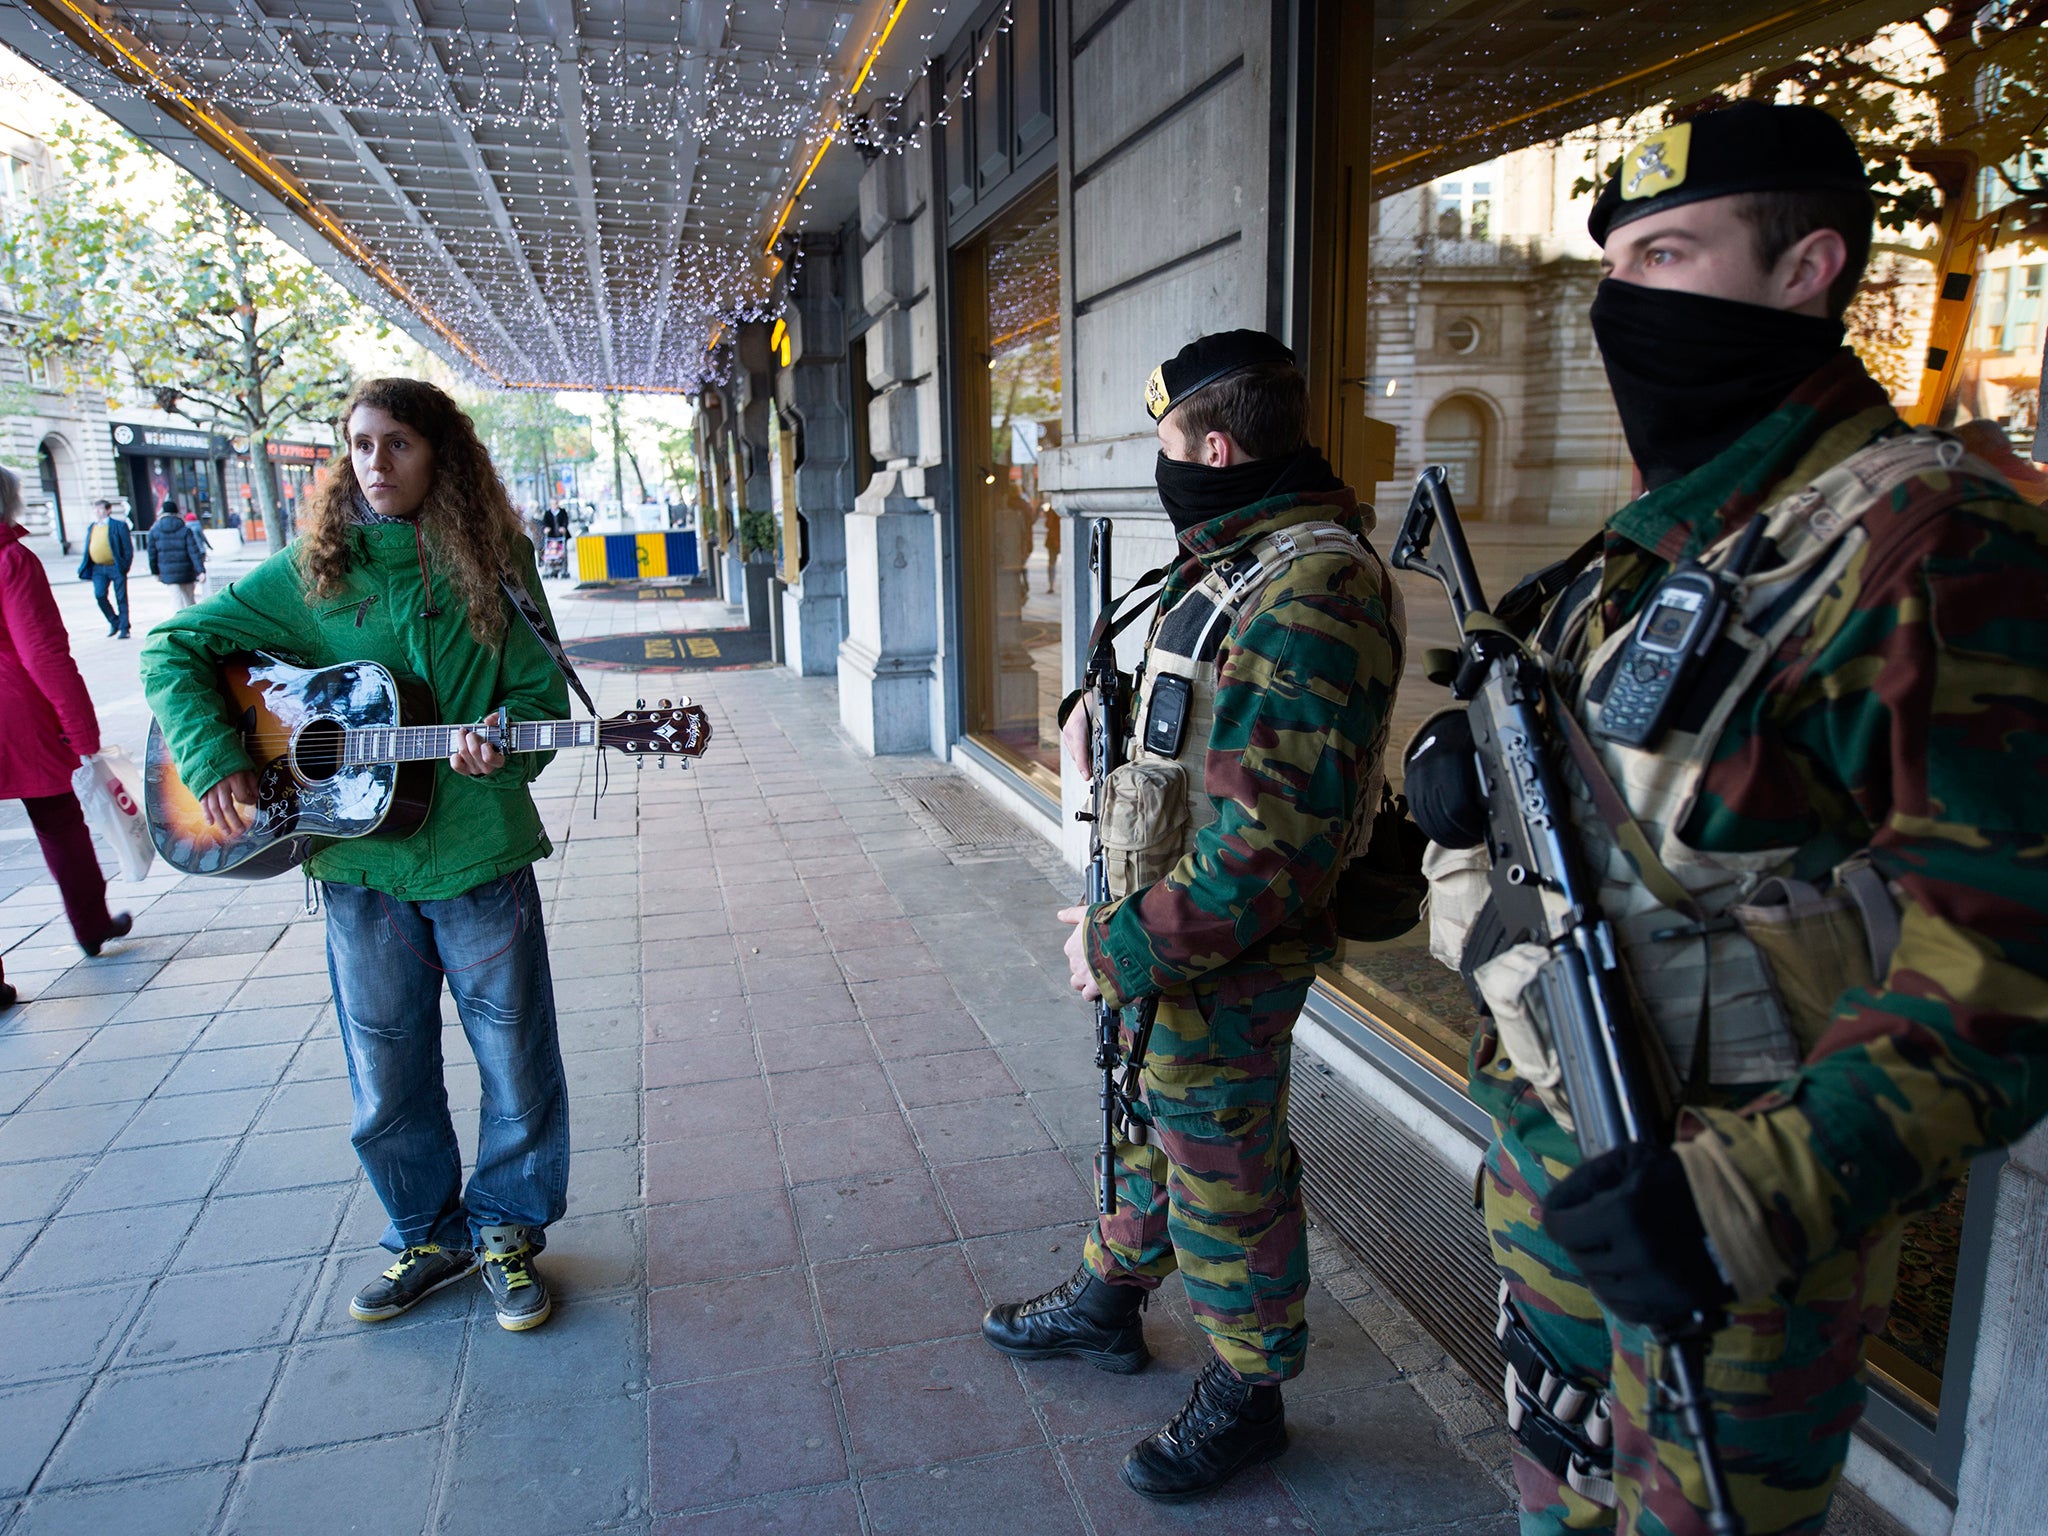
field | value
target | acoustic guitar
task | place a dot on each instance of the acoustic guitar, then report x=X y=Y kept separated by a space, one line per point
x=344 y=752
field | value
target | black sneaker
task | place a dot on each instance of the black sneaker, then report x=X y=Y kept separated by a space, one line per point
x=418 y=1273
x=1083 y=1315
x=1224 y=1427
x=516 y=1288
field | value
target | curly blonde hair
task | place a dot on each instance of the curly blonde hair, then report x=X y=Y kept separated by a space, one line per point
x=468 y=521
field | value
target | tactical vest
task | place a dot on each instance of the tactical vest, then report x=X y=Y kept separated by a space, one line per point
x=1154 y=804
x=1729 y=943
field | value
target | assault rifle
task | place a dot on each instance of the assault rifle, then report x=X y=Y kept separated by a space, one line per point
x=1544 y=894
x=1109 y=699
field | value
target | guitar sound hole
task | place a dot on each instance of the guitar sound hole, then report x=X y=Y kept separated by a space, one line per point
x=317 y=751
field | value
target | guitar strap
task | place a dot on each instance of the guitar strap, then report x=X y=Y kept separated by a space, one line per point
x=537 y=621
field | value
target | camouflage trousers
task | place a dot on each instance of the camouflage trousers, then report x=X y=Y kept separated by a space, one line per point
x=1785 y=1375
x=1215 y=1192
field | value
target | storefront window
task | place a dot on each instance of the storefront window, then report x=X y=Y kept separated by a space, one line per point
x=1008 y=291
x=1482 y=358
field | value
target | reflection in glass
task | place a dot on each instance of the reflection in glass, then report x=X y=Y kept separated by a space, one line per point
x=1019 y=533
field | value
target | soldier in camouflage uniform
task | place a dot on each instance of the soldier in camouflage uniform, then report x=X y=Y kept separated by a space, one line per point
x=1897 y=727
x=1228 y=922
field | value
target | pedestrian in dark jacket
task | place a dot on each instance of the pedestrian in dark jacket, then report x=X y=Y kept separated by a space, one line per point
x=50 y=725
x=177 y=553
x=109 y=551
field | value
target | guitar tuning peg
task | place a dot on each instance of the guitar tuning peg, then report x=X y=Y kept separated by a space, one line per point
x=639 y=703
x=664 y=762
x=664 y=704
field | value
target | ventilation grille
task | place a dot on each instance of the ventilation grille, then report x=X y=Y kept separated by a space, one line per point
x=1406 y=1215
x=964 y=814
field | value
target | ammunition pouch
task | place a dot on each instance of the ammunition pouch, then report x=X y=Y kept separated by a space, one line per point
x=1144 y=823
x=1563 y=1425
x=1818 y=943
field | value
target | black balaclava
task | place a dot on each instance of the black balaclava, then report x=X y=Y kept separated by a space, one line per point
x=1691 y=373
x=1194 y=494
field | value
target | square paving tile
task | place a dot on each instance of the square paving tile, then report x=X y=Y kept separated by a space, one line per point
x=692 y=1018
x=248 y=1066
x=714 y=1058
x=559 y=1484
x=828 y=1149
x=1369 y=1460
x=687 y=1111
x=588 y=1352
x=84 y=1250
x=174 y=1505
x=830 y=1512
x=78 y=1132
x=31 y=1420
x=363 y=1385
x=195 y=1117
x=720 y=1327
x=952 y=1078
x=1013 y=1194
x=905 y=994
x=898 y=1298
x=31 y=1191
x=812 y=1005
x=128 y=1080
x=815 y=1045
x=66 y=1333
x=276 y=1495
x=192 y=1315
x=718 y=1441
x=281 y=1224
x=706 y=1167
x=978 y=1128
x=927 y=1034
x=150 y=1176
x=869 y=1213
x=715 y=1239
x=929 y=1403
x=831 y=1093
x=1018 y=1494
x=164 y=1418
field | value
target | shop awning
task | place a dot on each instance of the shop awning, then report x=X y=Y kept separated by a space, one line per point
x=569 y=193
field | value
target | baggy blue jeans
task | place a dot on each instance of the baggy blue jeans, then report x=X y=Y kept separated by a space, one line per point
x=387 y=959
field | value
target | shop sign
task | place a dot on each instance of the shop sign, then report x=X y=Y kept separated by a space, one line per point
x=132 y=437
x=299 y=453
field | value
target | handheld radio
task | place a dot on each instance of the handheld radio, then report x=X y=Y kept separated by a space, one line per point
x=1680 y=624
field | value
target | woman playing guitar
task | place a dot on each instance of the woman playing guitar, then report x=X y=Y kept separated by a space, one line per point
x=399 y=563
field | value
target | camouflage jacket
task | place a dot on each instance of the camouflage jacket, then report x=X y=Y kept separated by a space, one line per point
x=1304 y=679
x=1909 y=716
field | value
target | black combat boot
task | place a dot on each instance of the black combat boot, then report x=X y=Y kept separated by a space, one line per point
x=1081 y=1316
x=1225 y=1427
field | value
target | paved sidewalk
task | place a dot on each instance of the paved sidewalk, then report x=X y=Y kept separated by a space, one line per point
x=830 y=1098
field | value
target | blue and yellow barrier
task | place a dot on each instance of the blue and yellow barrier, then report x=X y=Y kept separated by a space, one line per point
x=629 y=556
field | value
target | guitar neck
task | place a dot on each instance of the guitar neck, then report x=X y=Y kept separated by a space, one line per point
x=417 y=743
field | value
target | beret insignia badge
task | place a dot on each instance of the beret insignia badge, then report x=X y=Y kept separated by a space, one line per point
x=1156 y=398
x=1657 y=164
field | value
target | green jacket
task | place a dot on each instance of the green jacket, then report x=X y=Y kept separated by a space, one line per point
x=478 y=829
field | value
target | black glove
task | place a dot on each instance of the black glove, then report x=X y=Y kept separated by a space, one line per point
x=1628 y=1220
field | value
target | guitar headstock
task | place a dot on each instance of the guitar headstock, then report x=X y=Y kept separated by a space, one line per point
x=666 y=730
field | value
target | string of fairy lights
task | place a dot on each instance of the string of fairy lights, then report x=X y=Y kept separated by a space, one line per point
x=579 y=189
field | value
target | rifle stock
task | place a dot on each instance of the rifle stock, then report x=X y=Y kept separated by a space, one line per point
x=1545 y=896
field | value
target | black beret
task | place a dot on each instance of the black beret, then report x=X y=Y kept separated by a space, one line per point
x=1753 y=146
x=1204 y=361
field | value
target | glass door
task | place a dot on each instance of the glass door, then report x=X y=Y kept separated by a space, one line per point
x=1006 y=286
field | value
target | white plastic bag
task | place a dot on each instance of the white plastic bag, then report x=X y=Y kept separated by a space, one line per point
x=109 y=786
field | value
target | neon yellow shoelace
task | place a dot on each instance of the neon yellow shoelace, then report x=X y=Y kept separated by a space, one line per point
x=410 y=1257
x=514 y=1267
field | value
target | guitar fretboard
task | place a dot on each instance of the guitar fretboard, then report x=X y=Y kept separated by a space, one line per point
x=415 y=743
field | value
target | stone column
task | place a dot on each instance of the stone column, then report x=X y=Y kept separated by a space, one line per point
x=888 y=664
x=816 y=391
x=751 y=383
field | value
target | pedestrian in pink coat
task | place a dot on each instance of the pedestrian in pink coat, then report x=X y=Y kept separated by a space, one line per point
x=50 y=725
